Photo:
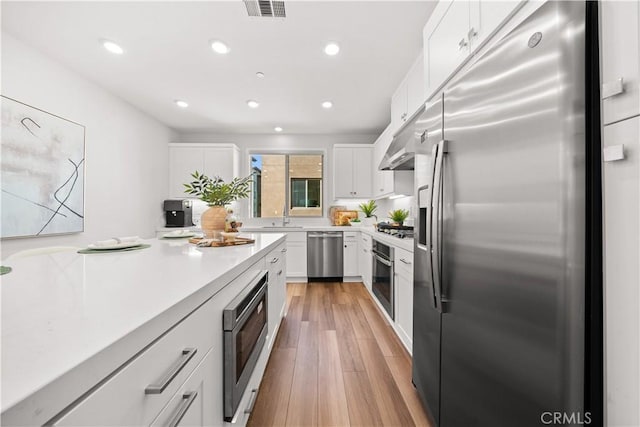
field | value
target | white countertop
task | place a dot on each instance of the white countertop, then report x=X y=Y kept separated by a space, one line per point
x=406 y=243
x=68 y=320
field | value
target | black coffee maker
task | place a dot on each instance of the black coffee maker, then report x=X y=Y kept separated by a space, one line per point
x=178 y=213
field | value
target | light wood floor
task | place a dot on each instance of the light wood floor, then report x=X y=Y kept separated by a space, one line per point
x=336 y=362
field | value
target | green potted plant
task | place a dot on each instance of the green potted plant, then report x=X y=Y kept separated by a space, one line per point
x=368 y=209
x=217 y=194
x=398 y=216
x=355 y=221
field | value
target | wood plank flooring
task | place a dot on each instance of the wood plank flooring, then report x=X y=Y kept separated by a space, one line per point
x=336 y=362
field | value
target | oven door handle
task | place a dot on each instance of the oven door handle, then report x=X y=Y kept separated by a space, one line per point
x=382 y=260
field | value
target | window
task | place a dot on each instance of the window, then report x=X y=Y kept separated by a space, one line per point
x=286 y=181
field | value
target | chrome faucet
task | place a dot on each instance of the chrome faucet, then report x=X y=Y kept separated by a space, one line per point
x=285 y=218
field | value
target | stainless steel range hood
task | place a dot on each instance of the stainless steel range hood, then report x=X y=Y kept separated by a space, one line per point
x=400 y=154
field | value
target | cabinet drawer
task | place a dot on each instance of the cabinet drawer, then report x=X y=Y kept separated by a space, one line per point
x=275 y=260
x=403 y=262
x=194 y=403
x=350 y=235
x=365 y=240
x=136 y=394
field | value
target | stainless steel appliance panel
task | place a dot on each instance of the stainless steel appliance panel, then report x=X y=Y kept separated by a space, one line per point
x=382 y=278
x=325 y=254
x=426 y=318
x=510 y=216
x=245 y=330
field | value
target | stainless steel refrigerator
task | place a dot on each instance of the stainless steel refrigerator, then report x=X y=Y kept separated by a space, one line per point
x=501 y=238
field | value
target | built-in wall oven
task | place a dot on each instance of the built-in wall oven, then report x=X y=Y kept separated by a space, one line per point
x=382 y=277
x=245 y=330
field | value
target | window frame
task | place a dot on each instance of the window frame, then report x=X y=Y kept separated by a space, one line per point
x=290 y=152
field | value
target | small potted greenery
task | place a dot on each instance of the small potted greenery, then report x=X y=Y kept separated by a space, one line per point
x=368 y=209
x=217 y=194
x=398 y=216
x=355 y=222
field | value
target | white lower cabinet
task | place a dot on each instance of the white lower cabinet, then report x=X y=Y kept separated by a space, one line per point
x=403 y=265
x=365 y=260
x=350 y=254
x=127 y=397
x=177 y=378
x=277 y=290
x=297 y=255
x=191 y=405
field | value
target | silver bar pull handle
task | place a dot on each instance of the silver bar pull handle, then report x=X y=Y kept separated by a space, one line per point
x=429 y=219
x=462 y=44
x=186 y=356
x=187 y=401
x=613 y=88
x=274 y=260
x=404 y=261
x=472 y=33
x=436 y=253
x=252 y=402
x=283 y=250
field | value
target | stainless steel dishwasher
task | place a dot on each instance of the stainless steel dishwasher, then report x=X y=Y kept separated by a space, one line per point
x=324 y=255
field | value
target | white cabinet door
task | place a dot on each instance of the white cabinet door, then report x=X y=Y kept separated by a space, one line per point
x=362 y=159
x=399 y=106
x=183 y=161
x=211 y=159
x=352 y=172
x=446 y=43
x=404 y=309
x=342 y=173
x=622 y=297
x=276 y=266
x=296 y=259
x=365 y=259
x=220 y=162
x=487 y=16
x=350 y=258
x=415 y=86
x=619 y=41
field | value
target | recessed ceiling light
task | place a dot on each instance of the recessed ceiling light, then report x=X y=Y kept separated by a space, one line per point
x=327 y=104
x=253 y=104
x=277 y=129
x=112 y=47
x=331 y=49
x=219 y=47
x=181 y=104
x=260 y=74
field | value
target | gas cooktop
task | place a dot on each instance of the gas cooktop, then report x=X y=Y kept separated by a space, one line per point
x=400 y=231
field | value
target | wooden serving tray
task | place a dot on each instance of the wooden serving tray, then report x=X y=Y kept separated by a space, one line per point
x=237 y=242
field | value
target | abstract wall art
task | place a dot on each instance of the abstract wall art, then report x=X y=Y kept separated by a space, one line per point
x=42 y=172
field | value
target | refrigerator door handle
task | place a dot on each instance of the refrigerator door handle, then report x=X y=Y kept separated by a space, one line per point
x=436 y=223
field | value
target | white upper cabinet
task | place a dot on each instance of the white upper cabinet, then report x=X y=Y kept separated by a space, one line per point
x=454 y=31
x=619 y=39
x=445 y=41
x=485 y=17
x=211 y=159
x=352 y=171
x=415 y=86
x=409 y=95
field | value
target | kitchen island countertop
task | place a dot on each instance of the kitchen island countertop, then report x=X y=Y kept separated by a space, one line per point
x=69 y=320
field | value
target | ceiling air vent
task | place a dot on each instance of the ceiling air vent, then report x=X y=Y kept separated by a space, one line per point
x=265 y=8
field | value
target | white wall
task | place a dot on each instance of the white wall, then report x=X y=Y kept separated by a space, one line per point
x=283 y=143
x=126 y=176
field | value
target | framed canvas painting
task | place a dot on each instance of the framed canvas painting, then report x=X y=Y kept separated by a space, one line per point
x=42 y=172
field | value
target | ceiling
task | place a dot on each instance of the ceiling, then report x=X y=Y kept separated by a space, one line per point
x=168 y=57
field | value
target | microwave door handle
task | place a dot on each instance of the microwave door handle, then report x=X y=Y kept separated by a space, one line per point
x=436 y=225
